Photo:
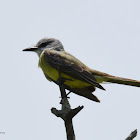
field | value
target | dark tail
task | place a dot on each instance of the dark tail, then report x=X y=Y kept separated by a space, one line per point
x=103 y=77
x=119 y=80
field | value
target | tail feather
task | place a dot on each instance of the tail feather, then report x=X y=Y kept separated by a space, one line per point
x=124 y=81
x=85 y=92
x=103 y=77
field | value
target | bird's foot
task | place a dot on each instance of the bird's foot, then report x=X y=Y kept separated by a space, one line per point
x=67 y=95
x=60 y=81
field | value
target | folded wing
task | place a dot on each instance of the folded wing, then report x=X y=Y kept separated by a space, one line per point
x=71 y=66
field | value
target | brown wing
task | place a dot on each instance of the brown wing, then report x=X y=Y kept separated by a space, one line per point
x=69 y=65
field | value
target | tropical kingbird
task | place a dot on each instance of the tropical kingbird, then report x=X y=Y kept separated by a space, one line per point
x=77 y=77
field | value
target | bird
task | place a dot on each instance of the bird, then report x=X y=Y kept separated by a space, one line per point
x=78 y=78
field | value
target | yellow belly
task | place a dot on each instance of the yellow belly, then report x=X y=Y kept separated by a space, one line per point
x=53 y=74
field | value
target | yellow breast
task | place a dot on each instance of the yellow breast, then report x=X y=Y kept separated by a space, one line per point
x=53 y=74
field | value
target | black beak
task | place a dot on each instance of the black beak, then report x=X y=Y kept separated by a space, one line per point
x=30 y=49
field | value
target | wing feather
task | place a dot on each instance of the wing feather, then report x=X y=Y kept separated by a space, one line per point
x=69 y=65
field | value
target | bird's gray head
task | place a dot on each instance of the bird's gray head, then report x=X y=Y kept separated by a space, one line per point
x=46 y=43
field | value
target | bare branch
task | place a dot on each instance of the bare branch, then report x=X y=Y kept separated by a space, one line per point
x=66 y=113
x=132 y=135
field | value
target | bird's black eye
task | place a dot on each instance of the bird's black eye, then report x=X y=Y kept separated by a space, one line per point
x=44 y=44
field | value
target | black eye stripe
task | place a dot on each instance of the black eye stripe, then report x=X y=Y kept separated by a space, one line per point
x=44 y=44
